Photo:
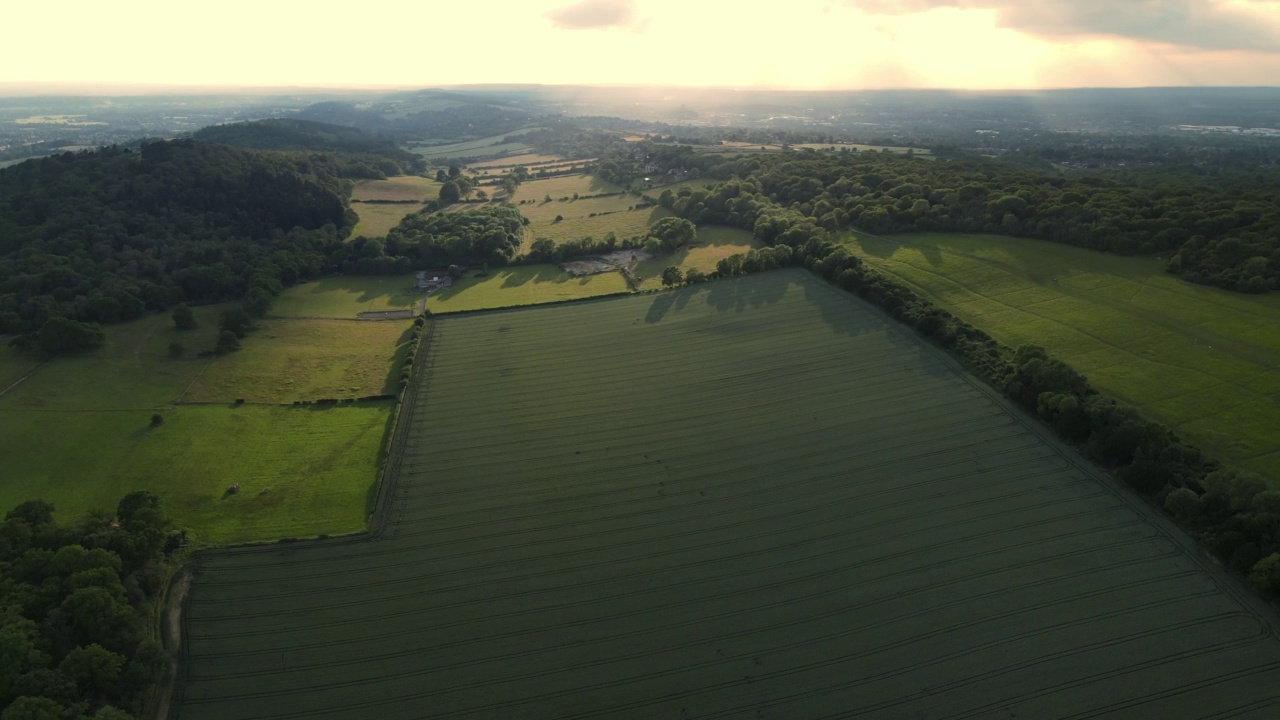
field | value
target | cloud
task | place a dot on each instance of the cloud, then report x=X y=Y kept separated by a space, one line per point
x=594 y=15
x=1203 y=24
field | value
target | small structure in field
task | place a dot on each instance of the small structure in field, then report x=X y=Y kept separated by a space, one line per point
x=432 y=280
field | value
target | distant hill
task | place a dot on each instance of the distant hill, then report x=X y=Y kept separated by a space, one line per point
x=293 y=134
x=424 y=115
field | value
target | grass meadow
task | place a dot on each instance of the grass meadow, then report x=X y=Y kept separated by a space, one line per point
x=529 y=160
x=77 y=432
x=611 y=214
x=287 y=360
x=752 y=498
x=522 y=285
x=303 y=471
x=345 y=296
x=479 y=148
x=712 y=245
x=1203 y=361
x=403 y=195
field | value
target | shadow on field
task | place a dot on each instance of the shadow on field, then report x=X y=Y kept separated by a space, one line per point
x=733 y=295
x=396 y=365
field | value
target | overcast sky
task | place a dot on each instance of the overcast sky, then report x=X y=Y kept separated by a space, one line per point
x=794 y=43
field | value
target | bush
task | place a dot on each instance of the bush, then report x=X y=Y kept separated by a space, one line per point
x=157 y=419
x=227 y=342
x=60 y=334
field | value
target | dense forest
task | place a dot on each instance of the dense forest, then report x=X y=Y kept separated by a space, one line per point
x=366 y=155
x=75 y=603
x=1225 y=238
x=106 y=236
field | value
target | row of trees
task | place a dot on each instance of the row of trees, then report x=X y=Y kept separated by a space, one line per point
x=1231 y=239
x=74 y=600
x=1234 y=514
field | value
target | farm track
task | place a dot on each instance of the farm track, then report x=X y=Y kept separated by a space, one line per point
x=755 y=499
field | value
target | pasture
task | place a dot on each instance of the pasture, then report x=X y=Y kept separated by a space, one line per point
x=78 y=431
x=400 y=196
x=522 y=285
x=480 y=148
x=713 y=244
x=1203 y=361
x=287 y=360
x=584 y=217
x=402 y=188
x=752 y=498
x=346 y=296
x=302 y=471
x=529 y=160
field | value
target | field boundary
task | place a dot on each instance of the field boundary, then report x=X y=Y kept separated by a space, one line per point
x=1225 y=580
x=400 y=422
x=566 y=301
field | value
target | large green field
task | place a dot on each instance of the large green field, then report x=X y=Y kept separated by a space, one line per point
x=1203 y=361
x=288 y=360
x=713 y=244
x=584 y=217
x=752 y=498
x=347 y=296
x=77 y=432
x=403 y=195
x=522 y=285
x=481 y=147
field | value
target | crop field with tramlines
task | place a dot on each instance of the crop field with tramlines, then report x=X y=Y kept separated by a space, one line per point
x=751 y=498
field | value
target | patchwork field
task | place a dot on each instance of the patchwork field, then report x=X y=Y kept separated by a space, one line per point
x=611 y=214
x=480 y=148
x=396 y=194
x=345 y=297
x=529 y=160
x=1203 y=361
x=522 y=285
x=713 y=244
x=753 y=498
x=78 y=432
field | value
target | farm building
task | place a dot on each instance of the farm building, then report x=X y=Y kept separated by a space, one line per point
x=432 y=280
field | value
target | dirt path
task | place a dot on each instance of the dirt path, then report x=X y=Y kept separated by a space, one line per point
x=24 y=377
x=171 y=630
x=137 y=352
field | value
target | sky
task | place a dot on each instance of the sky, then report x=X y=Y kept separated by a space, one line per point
x=805 y=44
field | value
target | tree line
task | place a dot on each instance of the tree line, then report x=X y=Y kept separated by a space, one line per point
x=1229 y=239
x=1232 y=513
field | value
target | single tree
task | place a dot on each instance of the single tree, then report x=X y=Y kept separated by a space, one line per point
x=184 y=318
x=227 y=342
x=450 y=192
x=671 y=276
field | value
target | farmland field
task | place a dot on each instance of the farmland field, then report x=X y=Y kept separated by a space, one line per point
x=577 y=217
x=511 y=161
x=522 y=285
x=303 y=471
x=713 y=244
x=377 y=218
x=1203 y=361
x=346 y=296
x=752 y=498
x=287 y=360
x=482 y=147
x=78 y=431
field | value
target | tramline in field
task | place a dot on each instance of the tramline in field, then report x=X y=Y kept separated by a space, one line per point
x=752 y=498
